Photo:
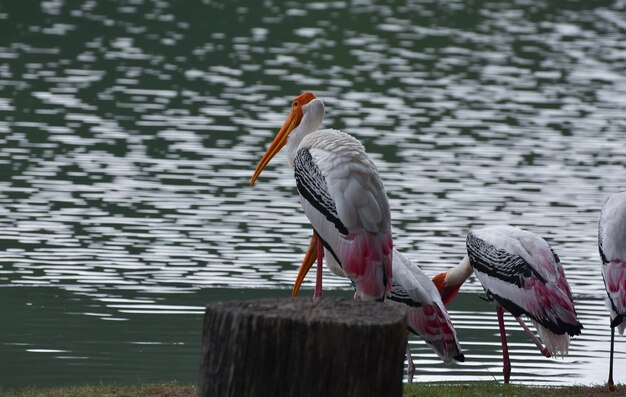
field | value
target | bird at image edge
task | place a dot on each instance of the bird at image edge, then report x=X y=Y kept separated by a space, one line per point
x=612 y=245
x=342 y=196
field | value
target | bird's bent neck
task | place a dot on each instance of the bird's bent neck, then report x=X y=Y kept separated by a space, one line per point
x=458 y=274
x=293 y=143
x=311 y=122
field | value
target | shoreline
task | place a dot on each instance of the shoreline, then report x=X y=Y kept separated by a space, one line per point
x=482 y=389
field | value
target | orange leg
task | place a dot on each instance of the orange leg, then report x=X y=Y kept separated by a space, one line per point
x=307 y=263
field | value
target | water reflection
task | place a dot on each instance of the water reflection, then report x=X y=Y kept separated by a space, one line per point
x=70 y=338
x=129 y=132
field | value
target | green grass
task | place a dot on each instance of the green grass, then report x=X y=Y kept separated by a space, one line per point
x=489 y=389
x=154 y=390
x=419 y=389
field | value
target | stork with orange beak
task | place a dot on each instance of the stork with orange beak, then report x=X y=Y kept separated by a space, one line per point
x=343 y=197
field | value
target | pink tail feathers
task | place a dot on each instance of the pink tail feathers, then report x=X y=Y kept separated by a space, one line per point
x=553 y=307
x=433 y=325
x=615 y=282
x=367 y=260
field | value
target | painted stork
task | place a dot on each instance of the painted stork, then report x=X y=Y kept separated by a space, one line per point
x=341 y=194
x=612 y=244
x=427 y=316
x=521 y=272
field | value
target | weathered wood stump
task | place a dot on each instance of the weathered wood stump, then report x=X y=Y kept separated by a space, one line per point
x=301 y=347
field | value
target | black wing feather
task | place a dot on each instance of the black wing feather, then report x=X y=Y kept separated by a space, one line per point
x=500 y=264
x=399 y=294
x=312 y=186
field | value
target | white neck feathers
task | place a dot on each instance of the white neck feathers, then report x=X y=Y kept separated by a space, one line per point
x=458 y=274
x=312 y=117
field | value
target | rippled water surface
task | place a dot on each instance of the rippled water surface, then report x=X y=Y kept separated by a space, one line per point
x=129 y=131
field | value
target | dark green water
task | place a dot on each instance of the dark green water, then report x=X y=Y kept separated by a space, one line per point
x=129 y=131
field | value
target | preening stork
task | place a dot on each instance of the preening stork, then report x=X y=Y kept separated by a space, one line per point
x=342 y=195
x=521 y=272
x=427 y=316
x=612 y=244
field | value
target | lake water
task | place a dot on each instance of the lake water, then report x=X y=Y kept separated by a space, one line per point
x=129 y=131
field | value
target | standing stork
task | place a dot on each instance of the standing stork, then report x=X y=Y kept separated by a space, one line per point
x=612 y=244
x=342 y=195
x=427 y=316
x=521 y=272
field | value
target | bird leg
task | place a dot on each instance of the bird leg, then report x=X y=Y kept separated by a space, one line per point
x=544 y=350
x=410 y=368
x=610 y=381
x=506 y=363
x=307 y=263
x=320 y=262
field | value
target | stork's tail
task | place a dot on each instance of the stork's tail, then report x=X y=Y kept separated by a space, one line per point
x=621 y=327
x=433 y=324
x=557 y=345
x=617 y=320
x=553 y=309
x=614 y=274
x=367 y=261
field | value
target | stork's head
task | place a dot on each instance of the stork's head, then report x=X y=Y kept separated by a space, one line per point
x=306 y=115
x=447 y=290
x=448 y=283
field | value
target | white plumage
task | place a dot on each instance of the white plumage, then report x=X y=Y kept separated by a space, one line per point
x=352 y=180
x=612 y=245
x=521 y=272
x=427 y=316
x=531 y=248
x=342 y=195
x=358 y=241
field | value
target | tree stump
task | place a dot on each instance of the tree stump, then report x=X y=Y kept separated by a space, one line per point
x=302 y=347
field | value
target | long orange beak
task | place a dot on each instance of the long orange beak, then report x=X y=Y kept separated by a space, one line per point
x=281 y=139
x=294 y=118
x=309 y=259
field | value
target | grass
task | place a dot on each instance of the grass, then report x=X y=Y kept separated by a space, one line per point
x=492 y=389
x=419 y=389
x=153 y=390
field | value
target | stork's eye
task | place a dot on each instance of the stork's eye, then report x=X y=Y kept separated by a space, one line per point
x=295 y=104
